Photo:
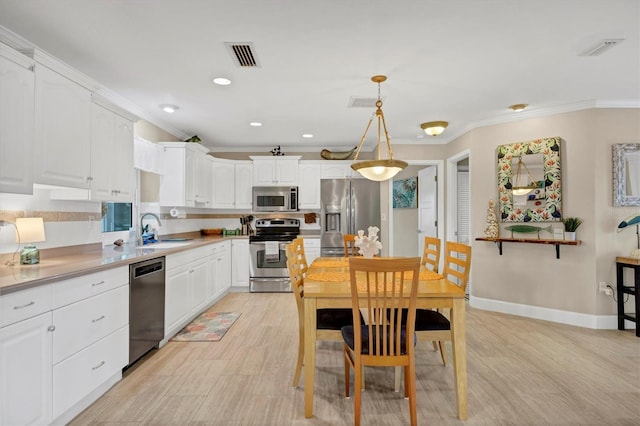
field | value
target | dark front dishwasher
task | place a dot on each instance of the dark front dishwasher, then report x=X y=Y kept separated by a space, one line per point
x=146 y=306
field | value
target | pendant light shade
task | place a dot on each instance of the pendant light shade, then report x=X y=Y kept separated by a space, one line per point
x=379 y=169
x=520 y=188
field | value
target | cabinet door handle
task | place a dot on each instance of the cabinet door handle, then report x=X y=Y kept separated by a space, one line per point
x=51 y=328
x=98 y=319
x=97 y=284
x=99 y=365
x=24 y=306
x=89 y=178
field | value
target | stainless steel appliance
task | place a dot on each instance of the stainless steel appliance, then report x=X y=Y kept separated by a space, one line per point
x=268 y=259
x=275 y=198
x=146 y=306
x=347 y=205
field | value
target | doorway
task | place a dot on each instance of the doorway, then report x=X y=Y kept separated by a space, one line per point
x=459 y=200
x=403 y=226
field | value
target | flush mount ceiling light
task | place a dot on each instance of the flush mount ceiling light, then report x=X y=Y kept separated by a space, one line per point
x=169 y=108
x=434 y=128
x=518 y=107
x=221 y=81
x=379 y=169
x=307 y=135
x=526 y=187
x=255 y=124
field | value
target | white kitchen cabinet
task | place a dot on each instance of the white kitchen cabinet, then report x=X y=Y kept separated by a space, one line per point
x=275 y=171
x=198 y=282
x=223 y=184
x=177 y=307
x=26 y=372
x=311 y=249
x=187 y=174
x=62 y=130
x=223 y=268
x=17 y=84
x=79 y=375
x=112 y=170
x=243 y=184
x=240 y=262
x=309 y=185
x=338 y=169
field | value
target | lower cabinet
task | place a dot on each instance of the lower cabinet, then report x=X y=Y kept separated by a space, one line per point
x=240 y=264
x=26 y=372
x=191 y=286
x=61 y=345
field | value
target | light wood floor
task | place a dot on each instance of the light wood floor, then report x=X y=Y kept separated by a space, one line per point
x=521 y=372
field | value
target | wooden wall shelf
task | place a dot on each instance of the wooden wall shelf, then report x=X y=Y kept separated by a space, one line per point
x=556 y=243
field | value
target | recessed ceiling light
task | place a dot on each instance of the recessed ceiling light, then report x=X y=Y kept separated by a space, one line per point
x=518 y=107
x=221 y=81
x=169 y=108
x=307 y=135
x=255 y=124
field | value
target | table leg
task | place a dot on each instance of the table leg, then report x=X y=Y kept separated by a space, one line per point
x=459 y=346
x=309 y=353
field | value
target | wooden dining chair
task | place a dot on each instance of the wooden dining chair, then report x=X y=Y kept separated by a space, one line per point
x=431 y=253
x=329 y=322
x=350 y=248
x=434 y=325
x=381 y=289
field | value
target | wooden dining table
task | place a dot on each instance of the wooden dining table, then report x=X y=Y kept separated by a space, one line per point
x=327 y=285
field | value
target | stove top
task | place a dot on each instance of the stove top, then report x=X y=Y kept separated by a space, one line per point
x=276 y=230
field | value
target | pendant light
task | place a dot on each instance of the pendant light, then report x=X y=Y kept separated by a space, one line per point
x=526 y=188
x=379 y=169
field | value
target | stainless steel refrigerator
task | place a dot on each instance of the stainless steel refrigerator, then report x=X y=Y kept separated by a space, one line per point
x=347 y=206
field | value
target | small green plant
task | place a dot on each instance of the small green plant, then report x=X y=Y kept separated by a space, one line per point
x=571 y=223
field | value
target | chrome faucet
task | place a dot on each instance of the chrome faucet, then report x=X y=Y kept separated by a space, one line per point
x=142 y=216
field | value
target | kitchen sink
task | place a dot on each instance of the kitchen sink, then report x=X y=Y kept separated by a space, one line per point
x=164 y=245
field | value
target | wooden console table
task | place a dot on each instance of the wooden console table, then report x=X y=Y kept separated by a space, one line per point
x=557 y=243
x=634 y=289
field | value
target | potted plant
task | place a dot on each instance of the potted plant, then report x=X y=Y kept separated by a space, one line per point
x=571 y=224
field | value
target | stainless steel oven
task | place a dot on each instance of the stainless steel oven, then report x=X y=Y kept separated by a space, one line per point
x=268 y=258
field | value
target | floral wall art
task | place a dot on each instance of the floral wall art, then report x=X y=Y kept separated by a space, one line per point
x=547 y=206
x=405 y=193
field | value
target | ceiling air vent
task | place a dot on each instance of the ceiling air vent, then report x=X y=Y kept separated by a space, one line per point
x=243 y=55
x=601 y=47
x=356 y=102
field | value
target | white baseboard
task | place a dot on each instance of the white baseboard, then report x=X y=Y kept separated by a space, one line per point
x=602 y=322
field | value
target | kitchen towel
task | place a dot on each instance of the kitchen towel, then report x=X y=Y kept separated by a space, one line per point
x=272 y=251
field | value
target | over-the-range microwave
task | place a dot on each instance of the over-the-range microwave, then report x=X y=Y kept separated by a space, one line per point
x=275 y=198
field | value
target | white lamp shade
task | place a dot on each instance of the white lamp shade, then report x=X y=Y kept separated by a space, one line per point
x=30 y=230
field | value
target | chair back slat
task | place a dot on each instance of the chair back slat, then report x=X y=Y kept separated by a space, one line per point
x=457 y=264
x=350 y=248
x=431 y=253
x=382 y=288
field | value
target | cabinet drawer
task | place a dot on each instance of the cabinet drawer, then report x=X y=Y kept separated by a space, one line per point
x=77 y=376
x=25 y=304
x=80 y=324
x=75 y=289
x=177 y=260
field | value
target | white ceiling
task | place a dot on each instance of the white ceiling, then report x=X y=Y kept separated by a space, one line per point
x=459 y=61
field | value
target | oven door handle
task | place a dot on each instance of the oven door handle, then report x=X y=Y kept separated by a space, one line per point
x=281 y=244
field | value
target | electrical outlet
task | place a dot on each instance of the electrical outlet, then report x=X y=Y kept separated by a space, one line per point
x=604 y=287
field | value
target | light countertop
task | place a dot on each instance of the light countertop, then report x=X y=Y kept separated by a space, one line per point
x=52 y=269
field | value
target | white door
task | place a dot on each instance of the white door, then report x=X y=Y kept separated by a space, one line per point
x=427 y=205
x=463 y=208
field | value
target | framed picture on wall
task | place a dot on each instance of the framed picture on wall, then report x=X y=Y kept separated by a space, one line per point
x=405 y=193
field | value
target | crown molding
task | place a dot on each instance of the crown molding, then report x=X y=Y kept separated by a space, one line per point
x=17 y=57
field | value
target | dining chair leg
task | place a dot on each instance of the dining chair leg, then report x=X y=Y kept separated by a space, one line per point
x=357 y=393
x=299 y=361
x=346 y=374
x=410 y=389
x=397 y=379
x=435 y=346
x=443 y=352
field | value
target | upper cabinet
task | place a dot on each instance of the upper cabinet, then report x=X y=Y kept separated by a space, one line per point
x=111 y=154
x=16 y=121
x=223 y=183
x=62 y=130
x=309 y=185
x=275 y=171
x=187 y=178
x=243 y=184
